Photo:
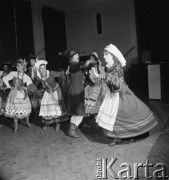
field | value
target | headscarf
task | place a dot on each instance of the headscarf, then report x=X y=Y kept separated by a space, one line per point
x=38 y=64
x=115 y=51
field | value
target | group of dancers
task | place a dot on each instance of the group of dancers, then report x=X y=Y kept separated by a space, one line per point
x=83 y=89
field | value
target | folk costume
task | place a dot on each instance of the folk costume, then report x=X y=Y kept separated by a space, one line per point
x=18 y=104
x=94 y=90
x=52 y=104
x=122 y=114
x=76 y=106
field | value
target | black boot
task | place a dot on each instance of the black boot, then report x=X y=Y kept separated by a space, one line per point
x=73 y=131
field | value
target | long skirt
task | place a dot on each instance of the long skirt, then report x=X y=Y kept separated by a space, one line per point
x=108 y=111
x=133 y=116
x=18 y=107
x=51 y=106
x=93 y=98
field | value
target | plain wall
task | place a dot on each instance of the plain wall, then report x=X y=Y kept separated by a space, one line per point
x=118 y=27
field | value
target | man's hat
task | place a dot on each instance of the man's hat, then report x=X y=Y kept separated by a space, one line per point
x=71 y=53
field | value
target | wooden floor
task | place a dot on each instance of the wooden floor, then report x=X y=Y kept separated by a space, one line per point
x=35 y=154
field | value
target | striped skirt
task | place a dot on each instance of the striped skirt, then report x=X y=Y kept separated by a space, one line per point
x=50 y=106
x=125 y=115
x=19 y=107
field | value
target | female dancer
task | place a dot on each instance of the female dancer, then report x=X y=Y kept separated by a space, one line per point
x=18 y=105
x=94 y=88
x=121 y=114
x=52 y=104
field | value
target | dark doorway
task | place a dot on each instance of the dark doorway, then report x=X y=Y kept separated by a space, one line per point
x=7 y=31
x=152 y=28
x=55 y=37
x=24 y=28
x=16 y=29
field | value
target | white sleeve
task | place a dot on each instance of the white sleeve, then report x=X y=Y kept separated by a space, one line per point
x=27 y=80
x=8 y=77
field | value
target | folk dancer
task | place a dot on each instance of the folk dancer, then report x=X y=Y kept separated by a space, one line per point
x=52 y=105
x=18 y=104
x=122 y=114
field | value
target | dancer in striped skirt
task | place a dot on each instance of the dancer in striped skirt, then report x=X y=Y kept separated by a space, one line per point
x=122 y=114
x=52 y=104
x=18 y=104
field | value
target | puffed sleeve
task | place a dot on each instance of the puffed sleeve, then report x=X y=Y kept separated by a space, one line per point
x=27 y=80
x=9 y=77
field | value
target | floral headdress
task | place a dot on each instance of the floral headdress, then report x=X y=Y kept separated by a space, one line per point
x=23 y=62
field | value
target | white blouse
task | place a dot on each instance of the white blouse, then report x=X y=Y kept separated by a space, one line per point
x=11 y=75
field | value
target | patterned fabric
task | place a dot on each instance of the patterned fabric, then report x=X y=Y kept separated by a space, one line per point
x=92 y=100
x=133 y=116
x=76 y=120
x=49 y=83
x=20 y=107
x=114 y=77
x=50 y=106
x=93 y=91
x=18 y=104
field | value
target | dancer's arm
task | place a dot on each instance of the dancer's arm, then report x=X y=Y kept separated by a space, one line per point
x=31 y=88
x=9 y=77
x=79 y=66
